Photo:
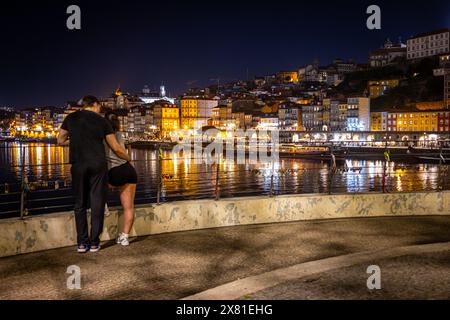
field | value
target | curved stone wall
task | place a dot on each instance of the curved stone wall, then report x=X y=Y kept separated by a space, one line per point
x=58 y=230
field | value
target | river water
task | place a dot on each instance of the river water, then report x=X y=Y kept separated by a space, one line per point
x=48 y=173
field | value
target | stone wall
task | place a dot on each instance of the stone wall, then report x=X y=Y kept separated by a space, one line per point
x=58 y=230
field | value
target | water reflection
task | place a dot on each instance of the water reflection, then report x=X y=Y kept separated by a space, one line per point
x=43 y=162
x=184 y=178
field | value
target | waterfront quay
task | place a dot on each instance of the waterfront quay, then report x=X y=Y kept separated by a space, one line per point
x=299 y=260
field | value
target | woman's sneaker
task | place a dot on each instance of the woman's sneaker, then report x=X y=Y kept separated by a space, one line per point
x=82 y=248
x=94 y=248
x=123 y=240
x=107 y=212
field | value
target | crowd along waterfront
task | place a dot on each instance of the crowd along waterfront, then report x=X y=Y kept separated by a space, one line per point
x=46 y=172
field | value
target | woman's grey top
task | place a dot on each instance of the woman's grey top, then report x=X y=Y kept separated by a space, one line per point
x=112 y=159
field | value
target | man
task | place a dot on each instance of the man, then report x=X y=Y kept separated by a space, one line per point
x=85 y=131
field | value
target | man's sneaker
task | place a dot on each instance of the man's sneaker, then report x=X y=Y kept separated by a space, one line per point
x=123 y=240
x=94 y=248
x=82 y=248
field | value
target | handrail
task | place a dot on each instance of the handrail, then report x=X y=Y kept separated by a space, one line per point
x=219 y=182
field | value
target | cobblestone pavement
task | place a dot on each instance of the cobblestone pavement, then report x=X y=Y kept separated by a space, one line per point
x=173 y=266
x=420 y=277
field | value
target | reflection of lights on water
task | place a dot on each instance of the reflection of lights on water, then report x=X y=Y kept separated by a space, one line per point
x=305 y=176
x=50 y=160
x=38 y=152
x=49 y=154
x=228 y=164
x=372 y=169
x=399 y=184
x=175 y=162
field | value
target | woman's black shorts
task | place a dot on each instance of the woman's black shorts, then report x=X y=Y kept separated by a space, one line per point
x=122 y=175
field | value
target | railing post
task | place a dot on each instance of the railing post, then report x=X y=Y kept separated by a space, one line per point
x=159 y=174
x=129 y=149
x=332 y=170
x=387 y=159
x=441 y=161
x=272 y=191
x=217 y=189
x=23 y=188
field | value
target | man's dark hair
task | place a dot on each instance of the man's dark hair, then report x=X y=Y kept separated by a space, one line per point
x=89 y=101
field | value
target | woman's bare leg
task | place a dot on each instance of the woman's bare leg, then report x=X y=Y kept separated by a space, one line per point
x=127 y=193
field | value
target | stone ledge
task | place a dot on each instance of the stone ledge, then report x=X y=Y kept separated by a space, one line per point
x=51 y=231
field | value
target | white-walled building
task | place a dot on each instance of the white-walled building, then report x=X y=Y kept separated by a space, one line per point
x=428 y=44
x=358 y=114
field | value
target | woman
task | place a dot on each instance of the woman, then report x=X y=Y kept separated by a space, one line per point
x=121 y=175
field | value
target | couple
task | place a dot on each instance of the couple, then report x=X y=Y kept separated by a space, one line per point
x=98 y=156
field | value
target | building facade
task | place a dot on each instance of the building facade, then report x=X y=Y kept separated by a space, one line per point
x=166 y=118
x=195 y=112
x=222 y=117
x=381 y=87
x=420 y=121
x=288 y=76
x=312 y=117
x=428 y=44
x=139 y=120
x=444 y=121
x=378 y=121
x=358 y=114
x=338 y=115
x=289 y=115
x=387 y=55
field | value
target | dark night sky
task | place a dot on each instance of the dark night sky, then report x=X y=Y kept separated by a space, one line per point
x=146 y=42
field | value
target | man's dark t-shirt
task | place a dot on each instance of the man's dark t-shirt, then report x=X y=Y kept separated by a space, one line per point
x=87 y=131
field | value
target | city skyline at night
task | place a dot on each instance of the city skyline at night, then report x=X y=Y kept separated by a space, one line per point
x=181 y=45
x=228 y=156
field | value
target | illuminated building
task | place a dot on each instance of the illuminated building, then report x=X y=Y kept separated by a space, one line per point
x=268 y=121
x=419 y=121
x=311 y=73
x=39 y=123
x=22 y=121
x=326 y=115
x=379 y=88
x=195 y=112
x=121 y=100
x=358 y=114
x=429 y=44
x=444 y=121
x=289 y=115
x=242 y=120
x=338 y=115
x=139 y=119
x=222 y=117
x=150 y=97
x=343 y=67
x=378 y=121
x=288 y=76
x=389 y=54
x=166 y=117
x=312 y=118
